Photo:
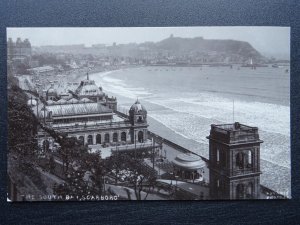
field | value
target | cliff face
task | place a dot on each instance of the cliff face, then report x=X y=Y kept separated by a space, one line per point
x=230 y=48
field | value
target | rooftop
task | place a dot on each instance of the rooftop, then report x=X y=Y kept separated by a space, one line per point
x=233 y=127
x=89 y=88
x=235 y=133
x=107 y=151
x=115 y=121
x=137 y=107
x=189 y=161
x=75 y=109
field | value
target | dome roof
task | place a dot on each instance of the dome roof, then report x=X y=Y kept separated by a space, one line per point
x=189 y=161
x=137 y=107
x=88 y=88
x=51 y=90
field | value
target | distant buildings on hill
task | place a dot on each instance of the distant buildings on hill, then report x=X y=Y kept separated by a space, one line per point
x=18 y=55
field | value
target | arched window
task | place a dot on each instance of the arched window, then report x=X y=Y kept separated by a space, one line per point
x=140 y=137
x=123 y=136
x=115 y=137
x=249 y=158
x=90 y=140
x=239 y=160
x=106 y=138
x=218 y=155
x=81 y=139
x=249 y=193
x=240 y=191
x=98 y=139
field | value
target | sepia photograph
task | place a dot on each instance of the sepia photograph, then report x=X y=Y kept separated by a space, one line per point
x=148 y=113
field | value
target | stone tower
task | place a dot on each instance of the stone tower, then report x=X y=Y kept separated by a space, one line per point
x=234 y=161
x=138 y=120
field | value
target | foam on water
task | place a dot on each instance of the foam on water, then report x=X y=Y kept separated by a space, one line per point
x=188 y=126
x=118 y=86
x=270 y=117
x=190 y=115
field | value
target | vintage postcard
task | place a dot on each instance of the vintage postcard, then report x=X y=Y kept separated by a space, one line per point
x=148 y=113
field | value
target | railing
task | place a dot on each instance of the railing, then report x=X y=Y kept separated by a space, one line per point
x=174 y=145
x=122 y=114
x=234 y=136
x=271 y=194
x=131 y=146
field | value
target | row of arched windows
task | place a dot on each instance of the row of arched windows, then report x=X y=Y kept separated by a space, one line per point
x=242 y=191
x=45 y=143
x=242 y=159
x=106 y=138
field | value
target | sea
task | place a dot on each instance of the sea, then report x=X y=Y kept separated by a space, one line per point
x=183 y=102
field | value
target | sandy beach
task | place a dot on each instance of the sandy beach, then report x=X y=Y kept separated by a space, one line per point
x=185 y=118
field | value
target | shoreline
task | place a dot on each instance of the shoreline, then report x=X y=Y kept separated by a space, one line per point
x=79 y=75
x=270 y=178
x=154 y=106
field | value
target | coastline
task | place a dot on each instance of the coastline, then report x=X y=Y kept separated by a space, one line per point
x=269 y=178
x=274 y=175
x=79 y=75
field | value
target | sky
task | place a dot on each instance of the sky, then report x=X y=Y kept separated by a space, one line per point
x=270 y=41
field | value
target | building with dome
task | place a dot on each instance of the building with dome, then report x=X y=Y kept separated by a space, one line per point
x=51 y=94
x=138 y=121
x=89 y=89
x=91 y=116
x=188 y=166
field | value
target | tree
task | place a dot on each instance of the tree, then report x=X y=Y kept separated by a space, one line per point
x=22 y=143
x=70 y=147
x=22 y=124
x=84 y=179
x=133 y=172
